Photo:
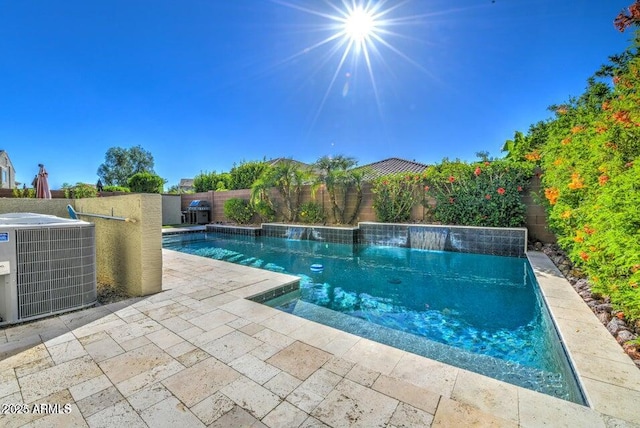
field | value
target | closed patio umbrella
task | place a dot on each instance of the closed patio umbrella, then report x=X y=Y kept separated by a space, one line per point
x=42 y=184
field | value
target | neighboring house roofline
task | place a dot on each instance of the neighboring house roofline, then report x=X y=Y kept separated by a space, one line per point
x=392 y=166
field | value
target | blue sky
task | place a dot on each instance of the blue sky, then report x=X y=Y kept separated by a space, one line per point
x=204 y=84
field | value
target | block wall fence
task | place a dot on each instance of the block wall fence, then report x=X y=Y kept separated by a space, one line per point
x=535 y=217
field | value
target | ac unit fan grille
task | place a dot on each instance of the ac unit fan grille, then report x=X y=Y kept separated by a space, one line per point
x=55 y=269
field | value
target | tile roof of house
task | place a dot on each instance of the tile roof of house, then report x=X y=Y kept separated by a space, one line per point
x=392 y=166
x=186 y=182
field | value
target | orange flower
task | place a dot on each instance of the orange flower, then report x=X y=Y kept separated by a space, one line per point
x=487 y=196
x=622 y=117
x=552 y=194
x=426 y=188
x=566 y=214
x=486 y=163
x=566 y=141
x=451 y=179
x=584 y=256
x=588 y=229
x=603 y=180
x=477 y=171
x=533 y=156
x=601 y=129
x=605 y=105
x=577 y=129
x=610 y=145
x=561 y=110
x=500 y=190
x=579 y=238
x=576 y=182
x=558 y=162
x=519 y=188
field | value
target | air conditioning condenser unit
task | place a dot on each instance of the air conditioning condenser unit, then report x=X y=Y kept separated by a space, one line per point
x=47 y=266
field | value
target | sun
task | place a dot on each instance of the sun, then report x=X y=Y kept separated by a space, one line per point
x=360 y=25
x=358 y=38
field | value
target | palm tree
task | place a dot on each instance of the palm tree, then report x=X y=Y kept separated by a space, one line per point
x=338 y=176
x=287 y=177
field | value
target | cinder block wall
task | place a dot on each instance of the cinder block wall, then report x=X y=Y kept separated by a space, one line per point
x=171 y=211
x=128 y=254
x=57 y=207
x=535 y=216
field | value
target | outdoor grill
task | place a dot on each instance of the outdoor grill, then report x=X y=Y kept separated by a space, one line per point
x=199 y=211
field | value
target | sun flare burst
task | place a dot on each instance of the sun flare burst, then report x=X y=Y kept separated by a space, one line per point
x=359 y=25
x=358 y=37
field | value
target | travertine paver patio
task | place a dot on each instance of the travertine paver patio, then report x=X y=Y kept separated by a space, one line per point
x=199 y=354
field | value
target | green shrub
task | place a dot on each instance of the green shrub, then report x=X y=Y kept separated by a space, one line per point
x=145 y=182
x=244 y=175
x=394 y=195
x=116 y=189
x=206 y=181
x=264 y=210
x=25 y=192
x=311 y=212
x=80 y=190
x=479 y=194
x=238 y=210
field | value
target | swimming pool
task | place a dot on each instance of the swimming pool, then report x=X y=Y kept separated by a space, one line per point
x=478 y=312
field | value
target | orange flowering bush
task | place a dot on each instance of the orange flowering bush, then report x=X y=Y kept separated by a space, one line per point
x=591 y=182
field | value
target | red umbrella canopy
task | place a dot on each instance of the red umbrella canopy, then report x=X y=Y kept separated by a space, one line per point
x=42 y=184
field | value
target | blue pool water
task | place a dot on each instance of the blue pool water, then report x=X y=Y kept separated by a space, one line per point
x=478 y=312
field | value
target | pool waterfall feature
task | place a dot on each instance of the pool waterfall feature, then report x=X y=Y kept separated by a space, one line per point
x=448 y=239
x=461 y=239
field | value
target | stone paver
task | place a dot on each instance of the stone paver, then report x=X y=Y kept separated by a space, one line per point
x=351 y=404
x=299 y=359
x=170 y=413
x=454 y=414
x=250 y=396
x=197 y=382
x=200 y=354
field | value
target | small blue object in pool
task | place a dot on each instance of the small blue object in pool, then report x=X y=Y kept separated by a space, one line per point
x=317 y=267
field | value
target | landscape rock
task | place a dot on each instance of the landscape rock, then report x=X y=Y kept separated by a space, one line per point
x=604 y=317
x=633 y=350
x=615 y=325
x=604 y=307
x=624 y=336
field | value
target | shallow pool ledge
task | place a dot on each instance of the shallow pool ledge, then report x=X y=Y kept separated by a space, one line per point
x=608 y=377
